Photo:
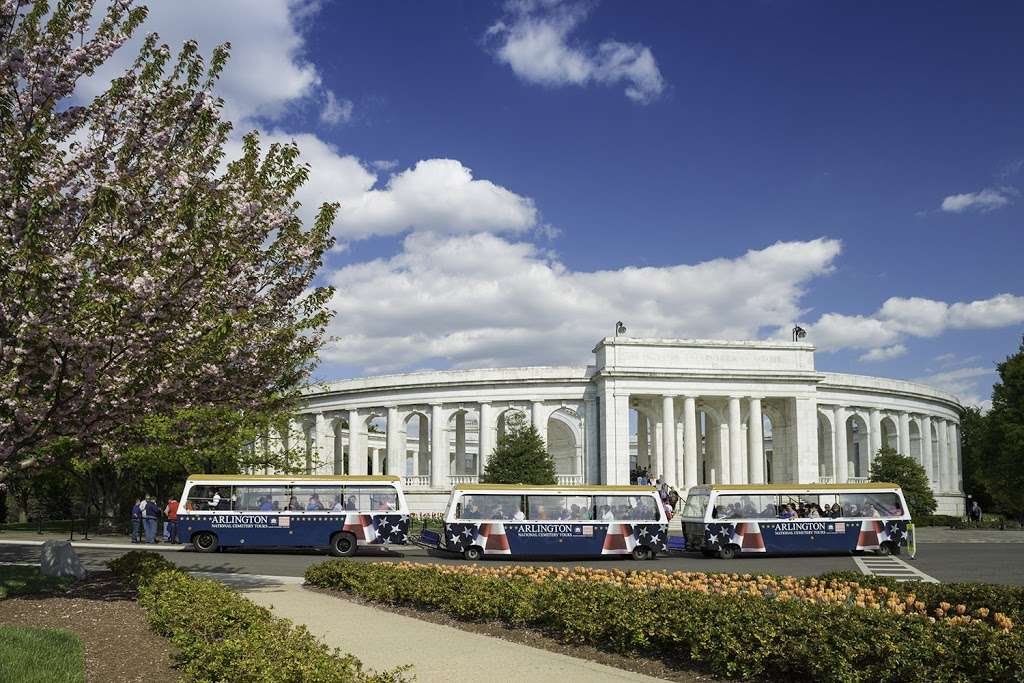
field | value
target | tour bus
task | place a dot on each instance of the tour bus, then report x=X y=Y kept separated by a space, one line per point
x=727 y=519
x=339 y=513
x=572 y=521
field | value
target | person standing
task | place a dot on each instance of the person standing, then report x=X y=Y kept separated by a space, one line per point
x=137 y=520
x=171 y=526
x=150 y=517
x=976 y=513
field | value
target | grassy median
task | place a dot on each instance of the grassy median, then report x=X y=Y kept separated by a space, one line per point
x=39 y=655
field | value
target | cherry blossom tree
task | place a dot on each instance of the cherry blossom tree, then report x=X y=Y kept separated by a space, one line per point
x=140 y=272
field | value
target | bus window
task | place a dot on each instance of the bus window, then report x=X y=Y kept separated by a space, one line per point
x=547 y=507
x=208 y=497
x=313 y=498
x=696 y=504
x=492 y=506
x=380 y=498
x=746 y=506
x=882 y=504
x=611 y=508
x=260 y=497
x=580 y=507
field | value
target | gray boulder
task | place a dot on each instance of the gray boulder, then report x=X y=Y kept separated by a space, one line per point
x=59 y=559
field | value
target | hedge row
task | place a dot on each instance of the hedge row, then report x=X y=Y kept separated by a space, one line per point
x=221 y=636
x=732 y=634
x=987 y=522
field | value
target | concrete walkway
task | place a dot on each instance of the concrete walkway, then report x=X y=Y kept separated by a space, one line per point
x=383 y=640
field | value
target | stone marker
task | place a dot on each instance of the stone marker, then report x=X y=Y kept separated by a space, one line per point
x=59 y=559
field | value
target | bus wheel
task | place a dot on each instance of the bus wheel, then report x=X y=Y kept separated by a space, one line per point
x=343 y=545
x=642 y=552
x=888 y=548
x=204 y=542
x=473 y=552
x=727 y=552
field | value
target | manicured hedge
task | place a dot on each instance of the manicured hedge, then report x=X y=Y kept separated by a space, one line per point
x=974 y=596
x=726 y=625
x=221 y=636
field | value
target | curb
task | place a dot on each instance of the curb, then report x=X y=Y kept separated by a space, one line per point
x=105 y=546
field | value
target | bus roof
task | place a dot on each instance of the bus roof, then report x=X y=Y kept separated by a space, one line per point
x=801 y=487
x=291 y=477
x=552 y=487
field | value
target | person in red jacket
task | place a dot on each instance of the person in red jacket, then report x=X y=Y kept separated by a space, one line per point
x=171 y=527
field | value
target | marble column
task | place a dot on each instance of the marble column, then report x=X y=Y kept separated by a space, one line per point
x=691 y=441
x=324 y=440
x=643 y=456
x=839 y=455
x=755 y=443
x=592 y=446
x=905 y=434
x=460 y=443
x=357 y=442
x=485 y=444
x=375 y=460
x=539 y=419
x=396 y=444
x=874 y=434
x=423 y=454
x=438 y=449
x=926 y=448
x=943 y=456
x=735 y=443
x=668 y=438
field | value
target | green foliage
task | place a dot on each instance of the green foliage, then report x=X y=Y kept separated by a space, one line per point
x=221 y=636
x=1002 y=473
x=41 y=655
x=15 y=579
x=520 y=457
x=974 y=458
x=737 y=636
x=890 y=466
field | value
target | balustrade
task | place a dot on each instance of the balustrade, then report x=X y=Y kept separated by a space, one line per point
x=414 y=481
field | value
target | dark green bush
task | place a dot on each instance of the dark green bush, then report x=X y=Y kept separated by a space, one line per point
x=222 y=636
x=730 y=635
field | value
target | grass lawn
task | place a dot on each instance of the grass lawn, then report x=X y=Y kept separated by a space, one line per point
x=30 y=655
x=15 y=579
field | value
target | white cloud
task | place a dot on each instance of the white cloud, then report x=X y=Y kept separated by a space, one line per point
x=480 y=300
x=384 y=165
x=883 y=353
x=335 y=111
x=439 y=195
x=535 y=41
x=972 y=385
x=985 y=200
x=267 y=71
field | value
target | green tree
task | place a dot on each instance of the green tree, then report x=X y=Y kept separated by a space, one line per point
x=520 y=457
x=139 y=274
x=974 y=449
x=1003 y=475
x=890 y=466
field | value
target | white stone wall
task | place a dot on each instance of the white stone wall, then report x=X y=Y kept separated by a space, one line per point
x=702 y=404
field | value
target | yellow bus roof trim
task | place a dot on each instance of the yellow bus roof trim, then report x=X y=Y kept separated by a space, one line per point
x=292 y=477
x=799 y=487
x=553 y=487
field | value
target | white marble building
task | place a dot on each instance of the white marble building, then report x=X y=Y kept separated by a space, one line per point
x=692 y=411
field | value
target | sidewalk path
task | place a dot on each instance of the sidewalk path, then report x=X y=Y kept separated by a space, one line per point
x=383 y=640
x=938 y=534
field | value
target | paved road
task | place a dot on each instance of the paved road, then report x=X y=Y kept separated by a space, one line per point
x=997 y=563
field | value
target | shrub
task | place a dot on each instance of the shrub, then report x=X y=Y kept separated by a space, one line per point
x=740 y=626
x=222 y=636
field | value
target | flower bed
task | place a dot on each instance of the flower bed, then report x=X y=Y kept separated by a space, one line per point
x=732 y=625
x=221 y=636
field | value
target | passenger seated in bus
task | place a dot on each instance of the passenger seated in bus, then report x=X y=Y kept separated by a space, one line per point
x=383 y=505
x=337 y=507
x=836 y=511
x=314 y=503
x=607 y=514
x=518 y=514
x=293 y=504
x=266 y=504
x=768 y=511
x=215 y=500
x=351 y=503
x=788 y=512
x=472 y=511
x=874 y=511
x=812 y=512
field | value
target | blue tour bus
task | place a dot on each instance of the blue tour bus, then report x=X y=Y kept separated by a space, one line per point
x=724 y=520
x=571 y=521
x=339 y=513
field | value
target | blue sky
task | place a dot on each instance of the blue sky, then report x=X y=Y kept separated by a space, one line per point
x=643 y=163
